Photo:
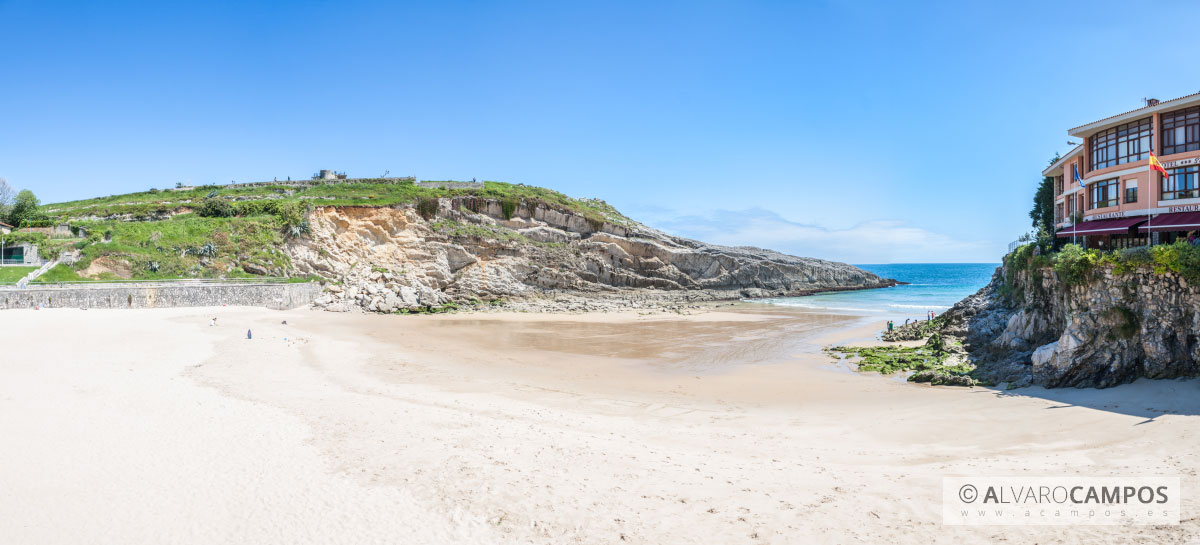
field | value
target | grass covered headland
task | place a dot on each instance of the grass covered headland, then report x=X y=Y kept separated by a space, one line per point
x=240 y=230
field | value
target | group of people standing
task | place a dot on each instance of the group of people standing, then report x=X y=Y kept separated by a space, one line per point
x=929 y=315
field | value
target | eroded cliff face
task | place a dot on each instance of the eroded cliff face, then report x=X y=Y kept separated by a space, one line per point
x=388 y=259
x=1029 y=327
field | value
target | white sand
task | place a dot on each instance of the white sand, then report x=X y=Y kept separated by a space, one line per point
x=149 y=426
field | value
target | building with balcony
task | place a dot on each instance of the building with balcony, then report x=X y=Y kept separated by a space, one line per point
x=1121 y=202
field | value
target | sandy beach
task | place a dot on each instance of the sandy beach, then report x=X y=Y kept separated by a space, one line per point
x=725 y=426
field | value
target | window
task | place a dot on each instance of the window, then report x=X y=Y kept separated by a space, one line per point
x=1058 y=213
x=1104 y=194
x=1121 y=144
x=1181 y=130
x=1130 y=191
x=1058 y=185
x=1181 y=184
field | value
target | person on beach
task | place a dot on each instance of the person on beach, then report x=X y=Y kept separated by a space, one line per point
x=889 y=325
x=248 y=334
x=212 y=322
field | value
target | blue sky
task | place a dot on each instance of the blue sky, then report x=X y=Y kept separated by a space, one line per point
x=859 y=131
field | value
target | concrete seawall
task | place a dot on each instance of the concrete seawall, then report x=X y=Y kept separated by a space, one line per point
x=161 y=295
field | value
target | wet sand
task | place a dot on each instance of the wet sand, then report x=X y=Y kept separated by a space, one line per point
x=728 y=426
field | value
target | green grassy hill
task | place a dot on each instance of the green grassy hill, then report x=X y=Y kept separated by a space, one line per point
x=238 y=231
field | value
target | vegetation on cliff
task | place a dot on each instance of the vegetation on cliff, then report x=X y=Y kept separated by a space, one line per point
x=238 y=231
x=1075 y=265
x=255 y=200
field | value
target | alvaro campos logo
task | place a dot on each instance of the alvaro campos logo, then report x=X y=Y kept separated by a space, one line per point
x=1060 y=500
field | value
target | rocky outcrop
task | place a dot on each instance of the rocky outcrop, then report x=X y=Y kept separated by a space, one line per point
x=391 y=258
x=1029 y=327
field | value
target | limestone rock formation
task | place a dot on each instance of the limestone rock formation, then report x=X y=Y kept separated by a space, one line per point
x=391 y=258
x=1029 y=327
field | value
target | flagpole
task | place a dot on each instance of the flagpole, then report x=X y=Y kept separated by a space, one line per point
x=1150 y=211
x=1153 y=200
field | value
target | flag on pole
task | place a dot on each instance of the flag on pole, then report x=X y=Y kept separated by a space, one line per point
x=1075 y=170
x=1155 y=165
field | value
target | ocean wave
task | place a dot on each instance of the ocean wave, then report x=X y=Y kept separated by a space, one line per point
x=883 y=308
x=812 y=306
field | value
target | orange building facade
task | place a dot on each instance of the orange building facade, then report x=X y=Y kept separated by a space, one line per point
x=1106 y=196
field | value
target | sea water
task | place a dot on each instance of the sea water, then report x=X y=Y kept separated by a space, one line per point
x=931 y=286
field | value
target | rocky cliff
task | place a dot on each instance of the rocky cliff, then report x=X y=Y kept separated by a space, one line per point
x=469 y=248
x=1029 y=326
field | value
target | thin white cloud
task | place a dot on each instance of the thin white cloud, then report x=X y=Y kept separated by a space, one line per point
x=868 y=242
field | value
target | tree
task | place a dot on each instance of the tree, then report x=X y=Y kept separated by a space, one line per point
x=7 y=194
x=1042 y=213
x=24 y=208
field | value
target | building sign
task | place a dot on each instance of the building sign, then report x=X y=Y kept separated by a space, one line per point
x=1181 y=162
x=1109 y=215
x=1184 y=208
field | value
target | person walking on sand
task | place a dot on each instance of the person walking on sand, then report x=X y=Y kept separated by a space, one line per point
x=248 y=336
x=212 y=322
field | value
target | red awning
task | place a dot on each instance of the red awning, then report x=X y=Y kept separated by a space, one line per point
x=1179 y=221
x=1118 y=226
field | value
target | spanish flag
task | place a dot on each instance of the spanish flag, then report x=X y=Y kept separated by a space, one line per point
x=1155 y=165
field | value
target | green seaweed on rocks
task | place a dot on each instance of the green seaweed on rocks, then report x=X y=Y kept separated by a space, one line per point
x=934 y=362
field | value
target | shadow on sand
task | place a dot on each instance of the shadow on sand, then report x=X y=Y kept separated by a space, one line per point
x=1144 y=398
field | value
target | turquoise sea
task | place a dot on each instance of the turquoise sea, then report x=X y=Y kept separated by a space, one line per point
x=932 y=286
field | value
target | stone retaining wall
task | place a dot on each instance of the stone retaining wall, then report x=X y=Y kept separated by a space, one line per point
x=451 y=185
x=306 y=183
x=160 y=295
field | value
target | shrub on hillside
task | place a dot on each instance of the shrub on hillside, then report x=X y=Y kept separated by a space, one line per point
x=261 y=207
x=293 y=219
x=427 y=207
x=215 y=207
x=1127 y=260
x=1074 y=264
x=1181 y=258
x=1019 y=258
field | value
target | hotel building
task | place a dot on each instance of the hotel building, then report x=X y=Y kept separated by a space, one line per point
x=1121 y=202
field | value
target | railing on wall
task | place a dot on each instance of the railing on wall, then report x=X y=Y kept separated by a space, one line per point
x=163 y=282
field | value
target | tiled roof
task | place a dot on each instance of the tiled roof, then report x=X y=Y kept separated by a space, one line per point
x=1135 y=110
